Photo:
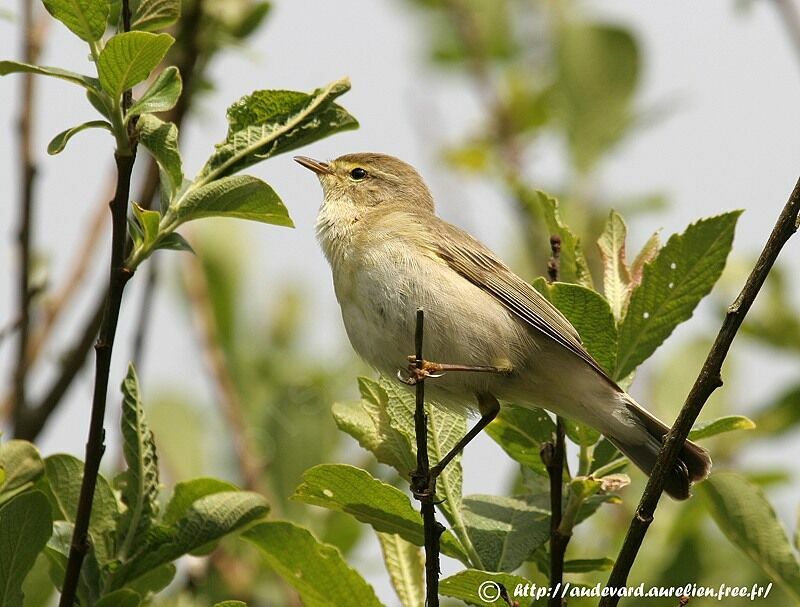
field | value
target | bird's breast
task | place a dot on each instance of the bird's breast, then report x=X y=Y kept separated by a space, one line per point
x=379 y=292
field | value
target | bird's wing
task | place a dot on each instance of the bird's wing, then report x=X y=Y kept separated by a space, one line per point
x=481 y=267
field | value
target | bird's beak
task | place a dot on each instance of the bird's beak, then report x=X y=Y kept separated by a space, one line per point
x=320 y=168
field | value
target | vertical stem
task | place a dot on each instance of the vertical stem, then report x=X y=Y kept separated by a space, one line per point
x=554 y=456
x=118 y=277
x=31 y=43
x=423 y=486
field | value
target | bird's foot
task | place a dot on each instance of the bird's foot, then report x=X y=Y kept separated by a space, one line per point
x=427 y=369
x=423 y=486
x=416 y=374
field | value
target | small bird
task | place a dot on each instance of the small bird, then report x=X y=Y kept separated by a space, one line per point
x=390 y=255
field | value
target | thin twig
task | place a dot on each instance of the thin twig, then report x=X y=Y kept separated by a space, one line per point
x=31 y=46
x=422 y=485
x=554 y=263
x=707 y=381
x=205 y=323
x=553 y=454
x=117 y=279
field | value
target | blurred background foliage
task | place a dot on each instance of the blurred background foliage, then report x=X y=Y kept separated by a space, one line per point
x=542 y=71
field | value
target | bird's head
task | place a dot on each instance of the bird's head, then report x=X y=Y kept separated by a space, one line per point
x=367 y=181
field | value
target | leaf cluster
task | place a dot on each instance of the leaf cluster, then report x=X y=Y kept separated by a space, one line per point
x=133 y=542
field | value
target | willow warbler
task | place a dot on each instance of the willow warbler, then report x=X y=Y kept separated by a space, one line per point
x=390 y=254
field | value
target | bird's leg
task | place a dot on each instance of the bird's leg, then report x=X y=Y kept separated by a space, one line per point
x=489 y=408
x=434 y=370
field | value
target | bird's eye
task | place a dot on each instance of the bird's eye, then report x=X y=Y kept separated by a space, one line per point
x=358 y=173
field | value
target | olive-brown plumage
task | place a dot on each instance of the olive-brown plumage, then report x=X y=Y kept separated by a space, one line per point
x=390 y=254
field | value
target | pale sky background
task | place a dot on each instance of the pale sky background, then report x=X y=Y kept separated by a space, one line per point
x=731 y=142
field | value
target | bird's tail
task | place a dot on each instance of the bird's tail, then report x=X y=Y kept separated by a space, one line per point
x=693 y=463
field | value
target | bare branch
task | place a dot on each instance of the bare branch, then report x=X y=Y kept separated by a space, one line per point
x=33 y=30
x=708 y=380
x=423 y=483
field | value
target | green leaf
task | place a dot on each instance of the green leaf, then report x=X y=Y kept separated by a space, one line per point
x=57 y=552
x=64 y=477
x=128 y=58
x=231 y=604
x=672 y=285
x=718 y=426
x=491 y=25
x=37 y=587
x=141 y=488
x=151 y=15
x=14 y=67
x=504 y=530
x=207 y=520
x=161 y=140
x=124 y=597
x=797 y=531
x=188 y=492
x=101 y=102
x=616 y=275
x=780 y=416
x=598 y=69
x=591 y=316
x=25 y=527
x=21 y=465
x=153 y=581
x=520 y=432
x=174 y=242
x=59 y=142
x=471 y=584
x=604 y=454
x=86 y=18
x=406 y=567
x=369 y=422
x=239 y=196
x=267 y=123
x=144 y=226
x=445 y=429
x=160 y=96
x=387 y=509
x=387 y=428
x=581 y=434
x=317 y=571
x=747 y=519
x=646 y=255
x=587 y=565
x=251 y=19
x=573 y=267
